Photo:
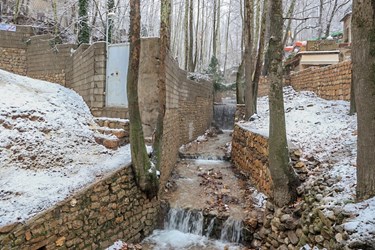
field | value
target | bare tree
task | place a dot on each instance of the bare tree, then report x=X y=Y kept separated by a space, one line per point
x=283 y=177
x=144 y=170
x=363 y=56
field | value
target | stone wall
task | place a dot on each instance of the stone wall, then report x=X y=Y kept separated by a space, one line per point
x=331 y=82
x=46 y=60
x=110 y=209
x=189 y=112
x=250 y=155
x=13 y=46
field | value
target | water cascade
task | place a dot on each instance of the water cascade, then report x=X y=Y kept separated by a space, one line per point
x=224 y=115
x=190 y=229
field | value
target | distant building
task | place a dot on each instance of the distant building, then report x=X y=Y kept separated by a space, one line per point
x=347 y=25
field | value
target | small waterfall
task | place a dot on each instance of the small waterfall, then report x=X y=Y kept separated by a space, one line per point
x=187 y=221
x=210 y=227
x=232 y=230
x=224 y=115
x=184 y=229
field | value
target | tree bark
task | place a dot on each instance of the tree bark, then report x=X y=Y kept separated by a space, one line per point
x=186 y=23
x=191 y=36
x=259 y=62
x=214 y=31
x=289 y=23
x=227 y=38
x=363 y=56
x=196 y=37
x=240 y=88
x=249 y=67
x=144 y=171
x=165 y=27
x=283 y=177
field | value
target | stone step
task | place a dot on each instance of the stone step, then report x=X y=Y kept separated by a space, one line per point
x=115 y=123
x=111 y=132
x=110 y=141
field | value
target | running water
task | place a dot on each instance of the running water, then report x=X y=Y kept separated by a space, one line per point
x=185 y=229
x=224 y=115
x=232 y=230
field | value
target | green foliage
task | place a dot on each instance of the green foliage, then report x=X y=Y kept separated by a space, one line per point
x=217 y=76
x=84 y=29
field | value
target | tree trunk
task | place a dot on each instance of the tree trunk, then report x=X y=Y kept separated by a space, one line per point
x=259 y=62
x=191 y=36
x=283 y=177
x=110 y=8
x=266 y=40
x=289 y=15
x=227 y=38
x=196 y=38
x=165 y=27
x=240 y=88
x=187 y=49
x=144 y=171
x=363 y=56
x=84 y=29
x=352 y=110
x=214 y=31
x=249 y=67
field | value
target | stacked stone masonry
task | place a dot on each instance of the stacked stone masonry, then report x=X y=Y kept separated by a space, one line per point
x=250 y=155
x=331 y=82
x=110 y=209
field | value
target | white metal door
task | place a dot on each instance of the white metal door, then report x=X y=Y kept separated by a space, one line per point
x=117 y=73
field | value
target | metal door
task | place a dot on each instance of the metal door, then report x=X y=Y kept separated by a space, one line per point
x=117 y=74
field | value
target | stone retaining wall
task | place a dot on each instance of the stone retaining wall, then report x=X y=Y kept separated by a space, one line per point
x=250 y=155
x=331 y=82
x=13 y=47
x=107 y=210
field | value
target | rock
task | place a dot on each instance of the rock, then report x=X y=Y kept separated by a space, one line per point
x=300 y=164
x=28 y=235
x=60 y=241
x=275 y=224
x=111 y=143
x=339 y=237
x=292 y=237
x=7 y=228
x=283 y=247
x=319 y=197
x=324 y=219
x=286 y=217
x=319 y=238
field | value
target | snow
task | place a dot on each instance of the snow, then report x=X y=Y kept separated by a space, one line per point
x=47 y=149
x=324 y=130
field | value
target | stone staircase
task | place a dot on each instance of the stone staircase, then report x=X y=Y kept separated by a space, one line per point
x=111 y=132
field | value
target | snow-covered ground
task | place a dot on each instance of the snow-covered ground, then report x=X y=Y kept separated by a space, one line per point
x=324 y=130
x=47 y=149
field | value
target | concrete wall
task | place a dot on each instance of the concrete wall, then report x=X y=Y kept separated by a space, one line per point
x=110 y=209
